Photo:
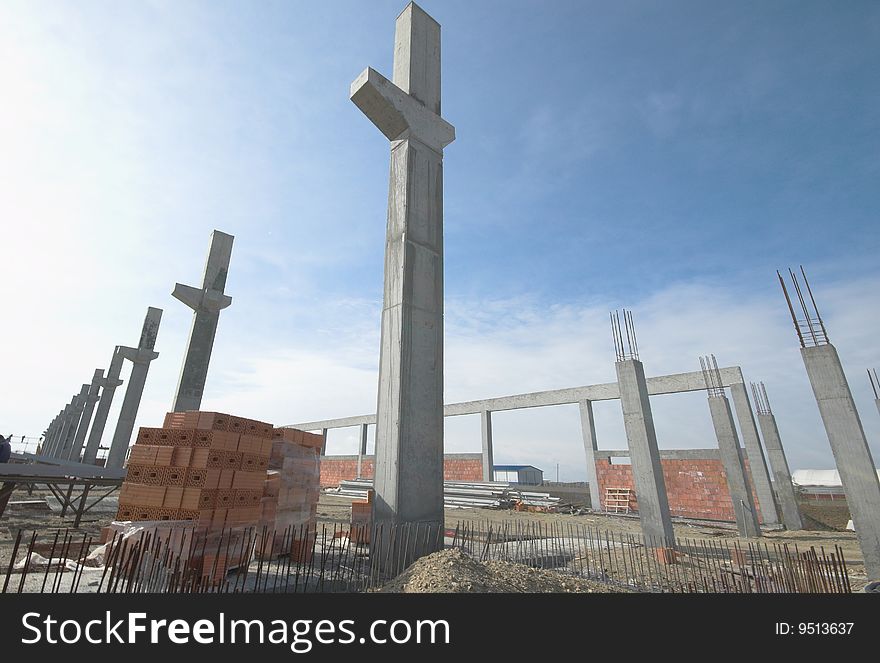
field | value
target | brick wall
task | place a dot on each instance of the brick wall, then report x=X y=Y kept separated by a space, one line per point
x=697 y=488
x=456 y=467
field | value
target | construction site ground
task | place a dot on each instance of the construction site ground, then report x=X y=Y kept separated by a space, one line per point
x=40 y=512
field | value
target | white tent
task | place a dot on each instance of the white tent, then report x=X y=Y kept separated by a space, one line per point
x=818 y=477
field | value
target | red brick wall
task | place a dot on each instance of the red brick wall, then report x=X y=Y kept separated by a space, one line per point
x=696 y=488
x=456 y=467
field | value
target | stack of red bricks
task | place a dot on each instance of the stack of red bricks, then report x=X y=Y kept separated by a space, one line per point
x=290 y=494
x=361 y=519
x=204 y=467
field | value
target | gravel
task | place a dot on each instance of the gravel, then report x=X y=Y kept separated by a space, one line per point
x=453 y=571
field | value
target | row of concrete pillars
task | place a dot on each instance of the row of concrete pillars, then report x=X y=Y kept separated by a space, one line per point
x=65 y=438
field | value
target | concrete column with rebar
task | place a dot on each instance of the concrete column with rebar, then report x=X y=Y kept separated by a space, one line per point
x=731 y=453
x=791 y=515
x=849 y=445
x=757 y=464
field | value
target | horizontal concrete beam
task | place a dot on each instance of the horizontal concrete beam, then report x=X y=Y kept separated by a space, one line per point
x=662 y=384
x=16 y=472
x=471 y=456
x=665 y=454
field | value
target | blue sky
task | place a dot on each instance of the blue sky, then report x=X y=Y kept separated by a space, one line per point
x=666 y=157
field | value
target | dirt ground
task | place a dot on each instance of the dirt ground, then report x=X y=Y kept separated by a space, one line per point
x=824 y=517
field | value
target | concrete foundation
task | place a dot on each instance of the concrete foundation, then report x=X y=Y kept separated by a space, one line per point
x=734 y=468
x=488 y=456
x=850 y=448
x=791 y=515
x=757 y=462
x=206 y=303
x=591 y=446
x=108 y=388
x=409 y=420
x=140 y=357
x=644 y=455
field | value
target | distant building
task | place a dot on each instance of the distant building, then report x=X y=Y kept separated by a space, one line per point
x=526 y=475
x=819 y=484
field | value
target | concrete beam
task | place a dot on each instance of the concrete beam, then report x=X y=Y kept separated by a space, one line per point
x=140 y=357
x=644 y=454
x=108 y=389
x=206 y=304
x=734 y=468
x=666 y=454
x=757 y=464
x=662 y=384
x=850 y=448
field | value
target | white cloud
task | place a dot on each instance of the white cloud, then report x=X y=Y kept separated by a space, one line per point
x=495 y=348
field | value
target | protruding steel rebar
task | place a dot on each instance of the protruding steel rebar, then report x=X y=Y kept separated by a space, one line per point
x=810 y=329
x=625 y=344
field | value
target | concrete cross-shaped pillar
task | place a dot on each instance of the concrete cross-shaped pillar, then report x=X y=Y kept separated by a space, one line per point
x=108 y=388
x=140 y=357
x=50 y=435
x=86 y=418
x=75 y=414
x=409 y=422
x=61 y=421
x=206 y=303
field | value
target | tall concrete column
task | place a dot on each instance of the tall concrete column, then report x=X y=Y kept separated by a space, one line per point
x=734 y=468
x=62 y=421
x=76 y=409
x=50 y=434
x=362 y=449
x=56 y=435
x=591 y=446
x=86 y=418
x=757 y=464
x=850 y=448
x=324 y=442
x=486 y=435
x=644 y=454
x=791 y=515
x=206 y=302
x=140 y=357
x=409 y=420
x=108 y=388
